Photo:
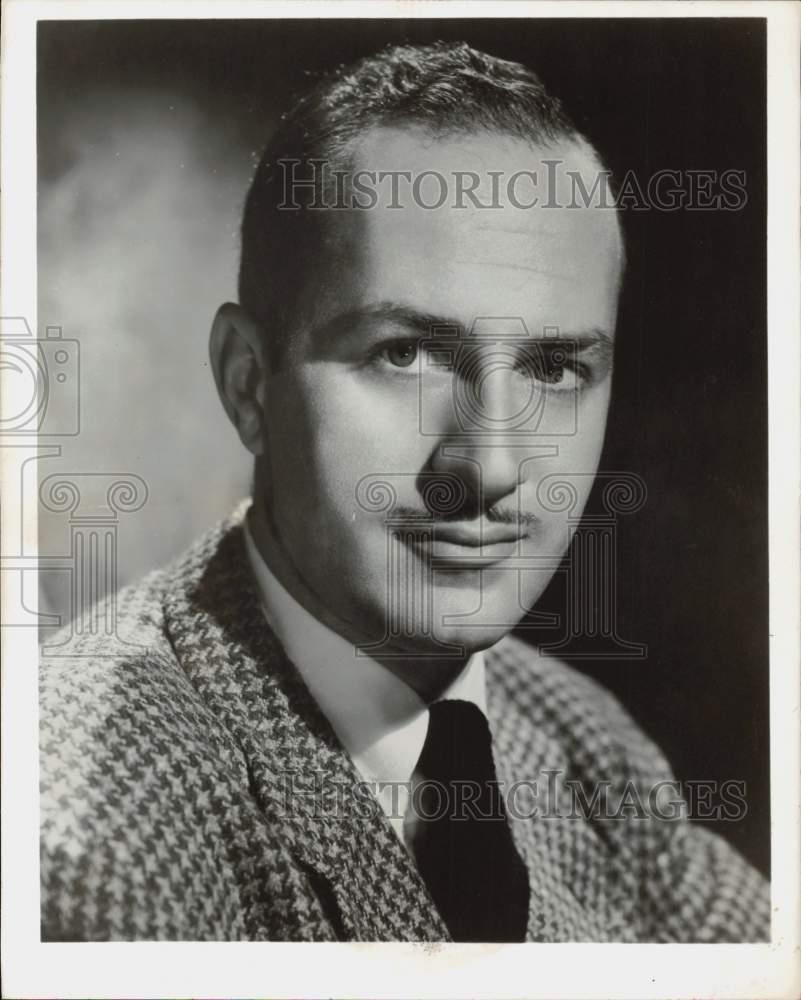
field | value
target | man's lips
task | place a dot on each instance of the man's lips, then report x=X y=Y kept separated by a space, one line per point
x=466 y=546
x=477 y=536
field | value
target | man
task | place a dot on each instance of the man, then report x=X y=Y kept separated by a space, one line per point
x=324 y=730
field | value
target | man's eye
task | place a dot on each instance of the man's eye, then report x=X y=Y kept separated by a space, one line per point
x=554 y=366
x=559 y=377
x=401 y=353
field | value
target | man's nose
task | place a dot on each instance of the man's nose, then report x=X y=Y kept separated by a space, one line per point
x=479 y=445
x=490 y=469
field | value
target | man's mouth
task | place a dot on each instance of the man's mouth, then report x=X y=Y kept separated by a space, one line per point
x=467 y=545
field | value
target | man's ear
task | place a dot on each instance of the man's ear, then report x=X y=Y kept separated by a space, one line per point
x=237 y=352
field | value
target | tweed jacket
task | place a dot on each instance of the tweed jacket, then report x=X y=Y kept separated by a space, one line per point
x=191 y=789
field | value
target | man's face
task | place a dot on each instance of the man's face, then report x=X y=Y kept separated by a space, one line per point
x=462 y=538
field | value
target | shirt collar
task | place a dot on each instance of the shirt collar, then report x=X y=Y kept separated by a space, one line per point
x=380 y=720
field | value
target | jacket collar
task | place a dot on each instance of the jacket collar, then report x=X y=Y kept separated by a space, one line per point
x=300 y=774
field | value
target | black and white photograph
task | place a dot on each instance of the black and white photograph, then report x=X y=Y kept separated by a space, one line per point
x=402 y=436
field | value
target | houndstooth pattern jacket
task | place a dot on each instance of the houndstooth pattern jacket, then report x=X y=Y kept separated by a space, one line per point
x=191 y=789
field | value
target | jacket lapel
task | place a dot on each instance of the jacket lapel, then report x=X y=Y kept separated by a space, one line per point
x=301 y=777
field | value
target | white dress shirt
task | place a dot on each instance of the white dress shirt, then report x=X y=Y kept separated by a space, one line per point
x=380 y=720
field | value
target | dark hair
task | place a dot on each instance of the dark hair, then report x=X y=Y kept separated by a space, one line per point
x=446 y=88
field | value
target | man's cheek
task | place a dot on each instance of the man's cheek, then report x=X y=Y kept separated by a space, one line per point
x=373 y=449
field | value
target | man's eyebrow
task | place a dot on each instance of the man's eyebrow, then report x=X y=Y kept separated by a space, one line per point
x=429 y=324
x=587 y=339
x=424 y=323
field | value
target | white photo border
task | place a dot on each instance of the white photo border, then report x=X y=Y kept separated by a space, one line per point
x=140 y=969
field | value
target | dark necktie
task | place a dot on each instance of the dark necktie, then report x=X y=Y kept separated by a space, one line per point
x=463 y=844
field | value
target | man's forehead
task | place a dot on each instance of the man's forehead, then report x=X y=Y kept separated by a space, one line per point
x=554 y=265
x=487 y=198
x=562 y=252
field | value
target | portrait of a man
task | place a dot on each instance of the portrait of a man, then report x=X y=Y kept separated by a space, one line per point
x=328 y=725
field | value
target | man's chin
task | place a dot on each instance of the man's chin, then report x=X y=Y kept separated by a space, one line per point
x=478 y=618
x=472 y=639
x=454 y=621
x=444 y=639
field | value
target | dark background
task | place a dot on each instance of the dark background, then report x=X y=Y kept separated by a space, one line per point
x=148 y=133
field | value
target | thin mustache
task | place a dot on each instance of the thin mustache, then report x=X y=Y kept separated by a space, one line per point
x=494 y=515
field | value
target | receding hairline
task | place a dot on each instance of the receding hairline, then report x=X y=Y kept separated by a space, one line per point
x=461 y=132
